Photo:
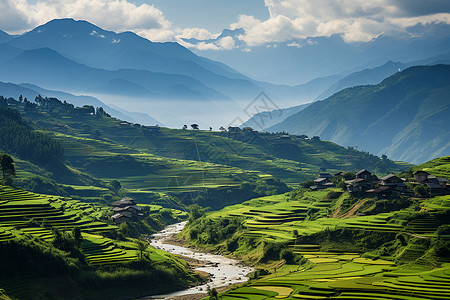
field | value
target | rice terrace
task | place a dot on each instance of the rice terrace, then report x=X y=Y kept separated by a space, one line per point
x=233 y=150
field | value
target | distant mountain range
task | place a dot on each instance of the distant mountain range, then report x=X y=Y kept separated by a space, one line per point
x=77 y=56
x=406 y=116
x=301 y=60
x=30 y=91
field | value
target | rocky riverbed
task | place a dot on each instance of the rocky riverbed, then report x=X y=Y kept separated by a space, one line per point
x=223 y=271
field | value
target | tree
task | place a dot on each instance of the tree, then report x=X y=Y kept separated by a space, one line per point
x=195 y=212
x=76 y=232
x=185 y=127
x=20 y=98
x=8 y=169
x=420 y=191
x=212 y=293
x=142 y=247
x=210 y=128
x=115 y=185
x=222 y=128
x=194 y=126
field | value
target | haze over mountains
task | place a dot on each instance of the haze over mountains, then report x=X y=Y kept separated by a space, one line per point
x=168 y=84
x=301 y=60
x=405 y=117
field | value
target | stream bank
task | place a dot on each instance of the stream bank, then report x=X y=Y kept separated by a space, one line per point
x=223 y=271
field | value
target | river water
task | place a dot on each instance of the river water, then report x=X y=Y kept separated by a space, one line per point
x=223 y=270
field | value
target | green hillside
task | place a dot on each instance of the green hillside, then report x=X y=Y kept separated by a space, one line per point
x=331 y=244
x=404 y=117
x=38 y=240
x=439 y=167
x=169 y=160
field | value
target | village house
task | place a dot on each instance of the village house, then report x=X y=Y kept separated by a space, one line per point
x=323 y=181
x=119 y=218
x=421 y=176
x=234 y=129
x=435 y=186
x=248 y=129
x=126 y=210
x=389 y=186
x=364 y=181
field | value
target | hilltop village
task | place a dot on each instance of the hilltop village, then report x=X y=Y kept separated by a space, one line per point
x=367 y=184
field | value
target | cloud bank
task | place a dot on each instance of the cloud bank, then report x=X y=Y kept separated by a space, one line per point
x=289 y=20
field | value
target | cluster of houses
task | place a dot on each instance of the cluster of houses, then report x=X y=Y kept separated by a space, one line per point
x=126 y=210
x=388 y=186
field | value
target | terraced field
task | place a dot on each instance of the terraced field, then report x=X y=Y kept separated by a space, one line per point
x=334 y=273
x=439 y=167
x=20 y=209
x=277 y=217
x=140 y=171
x=21 y=212
x=347 y=276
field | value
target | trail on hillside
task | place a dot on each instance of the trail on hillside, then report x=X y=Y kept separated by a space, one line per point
x=351 y=212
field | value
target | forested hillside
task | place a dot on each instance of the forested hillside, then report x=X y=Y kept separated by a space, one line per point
x=403 y=117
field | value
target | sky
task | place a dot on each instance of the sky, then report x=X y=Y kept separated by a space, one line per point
x=264 y=21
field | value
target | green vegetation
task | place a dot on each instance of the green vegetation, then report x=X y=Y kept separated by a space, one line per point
x=388 y=118
x=249 y=175
x=330 y=245
x=44 y=237
x=201 y=159
x=439 y=167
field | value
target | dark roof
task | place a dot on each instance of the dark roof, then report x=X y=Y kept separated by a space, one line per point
x=389 y=177
x=357 y=180
x=421 y=171
x=433 y=185
x=433 y=180
x=136 y=207
x=363 y=171
x=379 y=189
x=325 y=175
x=318 y=180
x=121 y=208
x=118 y=216
x=127 y=201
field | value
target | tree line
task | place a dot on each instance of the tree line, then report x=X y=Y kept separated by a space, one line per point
x=18 y=138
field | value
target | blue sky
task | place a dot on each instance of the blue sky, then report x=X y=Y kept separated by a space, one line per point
x=213 y=15
x=263 y=21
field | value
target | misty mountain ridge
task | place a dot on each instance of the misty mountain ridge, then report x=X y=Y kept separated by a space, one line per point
x=404 y=117
x=30 y=91
x=300 y=60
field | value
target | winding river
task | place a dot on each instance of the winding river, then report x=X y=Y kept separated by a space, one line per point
x=223 y=270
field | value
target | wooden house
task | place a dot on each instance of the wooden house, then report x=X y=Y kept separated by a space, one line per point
x=234 y=129
x=421 y=176
x=359 y=185
x=366 y=175
x=392 y=180
x=119 y=218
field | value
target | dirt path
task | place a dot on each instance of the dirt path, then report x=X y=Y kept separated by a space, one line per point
x=352 y=210
x=336 y=212
x=416 y=235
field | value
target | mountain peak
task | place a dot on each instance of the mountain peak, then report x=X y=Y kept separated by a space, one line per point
x=67 y=26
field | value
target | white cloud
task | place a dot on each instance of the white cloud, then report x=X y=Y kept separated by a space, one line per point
x=196 y=33
x=95 y=33
x=356 y=20
x=206 y=46
x=294 y=44
x=117 y=15
x=227 y=43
